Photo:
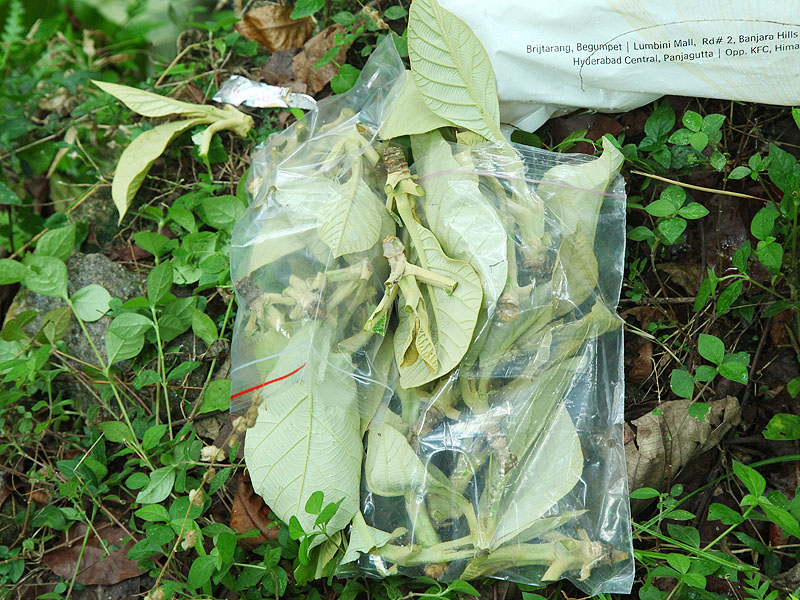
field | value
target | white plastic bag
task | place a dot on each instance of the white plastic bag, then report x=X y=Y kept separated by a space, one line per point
x=615 y=55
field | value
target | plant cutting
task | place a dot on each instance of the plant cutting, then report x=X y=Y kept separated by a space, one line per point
x=432 y=306
x=142 y=152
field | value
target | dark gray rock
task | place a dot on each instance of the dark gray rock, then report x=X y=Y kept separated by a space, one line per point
x=82 y=270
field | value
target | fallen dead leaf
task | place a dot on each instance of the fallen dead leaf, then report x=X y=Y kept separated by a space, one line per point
x=596 y=126
x=686 y=276
x=193 y=94
x=208 y=427
x=313 y=50
x=249 y=512
x=778 y=332
x=643 y=314
x=39 y=495
x=725 y=231
x=777 y=536
x=98 y=566
x=664 y=443
x=224 y=432
x=641 y=366
x=278 y=71
x=272 y=27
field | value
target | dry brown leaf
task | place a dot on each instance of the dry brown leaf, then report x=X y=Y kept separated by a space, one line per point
x=249 y=512
x=643 y=314
x=97 y=566
x=686 y=276
x=641 y=366
x=272 y=27
x=209 y=427
x=278 y=70
x=313 y=50
x=778 y=332
x=664 y=443
x=595 y=125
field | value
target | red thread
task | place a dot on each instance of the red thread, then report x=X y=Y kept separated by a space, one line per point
x=261 y=385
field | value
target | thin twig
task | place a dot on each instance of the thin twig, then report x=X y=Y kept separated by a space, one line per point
x=749 y=388
x=698 y=187
x=649 y=300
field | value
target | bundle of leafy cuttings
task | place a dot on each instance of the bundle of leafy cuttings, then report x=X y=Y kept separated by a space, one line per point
x=440 y=314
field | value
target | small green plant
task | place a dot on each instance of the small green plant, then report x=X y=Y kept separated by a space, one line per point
x=662 y=149
x=671 y=211
x=689 y=562
x=699 y=133
x=732 y=366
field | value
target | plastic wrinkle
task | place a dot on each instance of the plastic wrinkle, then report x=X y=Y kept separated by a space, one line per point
x=527 y=179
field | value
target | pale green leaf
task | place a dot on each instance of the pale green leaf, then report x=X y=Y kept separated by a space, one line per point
x=58 y=243
x=152 y=105
x=159 y=486
x=139 y=156
x=278 y=239
x=125 y=336
x=410 y=114
x=352 y=217
x=392 y=468
x=575 y=272
x=574 y=192
x=46 y=275
x=91 y=302
x=463 y=220
x=423 y=340
x=306 y=439
x=11 y=271
x=501 y=334
x=418 y=341
x=301 y=199
x=204 y=327
x=370 y=396
x=546 y=474
x=539 y=396
x=364 y=538
x=454 y=315
x=452 y=70
x=327 y=552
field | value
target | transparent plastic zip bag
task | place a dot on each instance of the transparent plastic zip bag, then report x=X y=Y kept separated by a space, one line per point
x=512 y=466
x=307 y=268
x=468 y=423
